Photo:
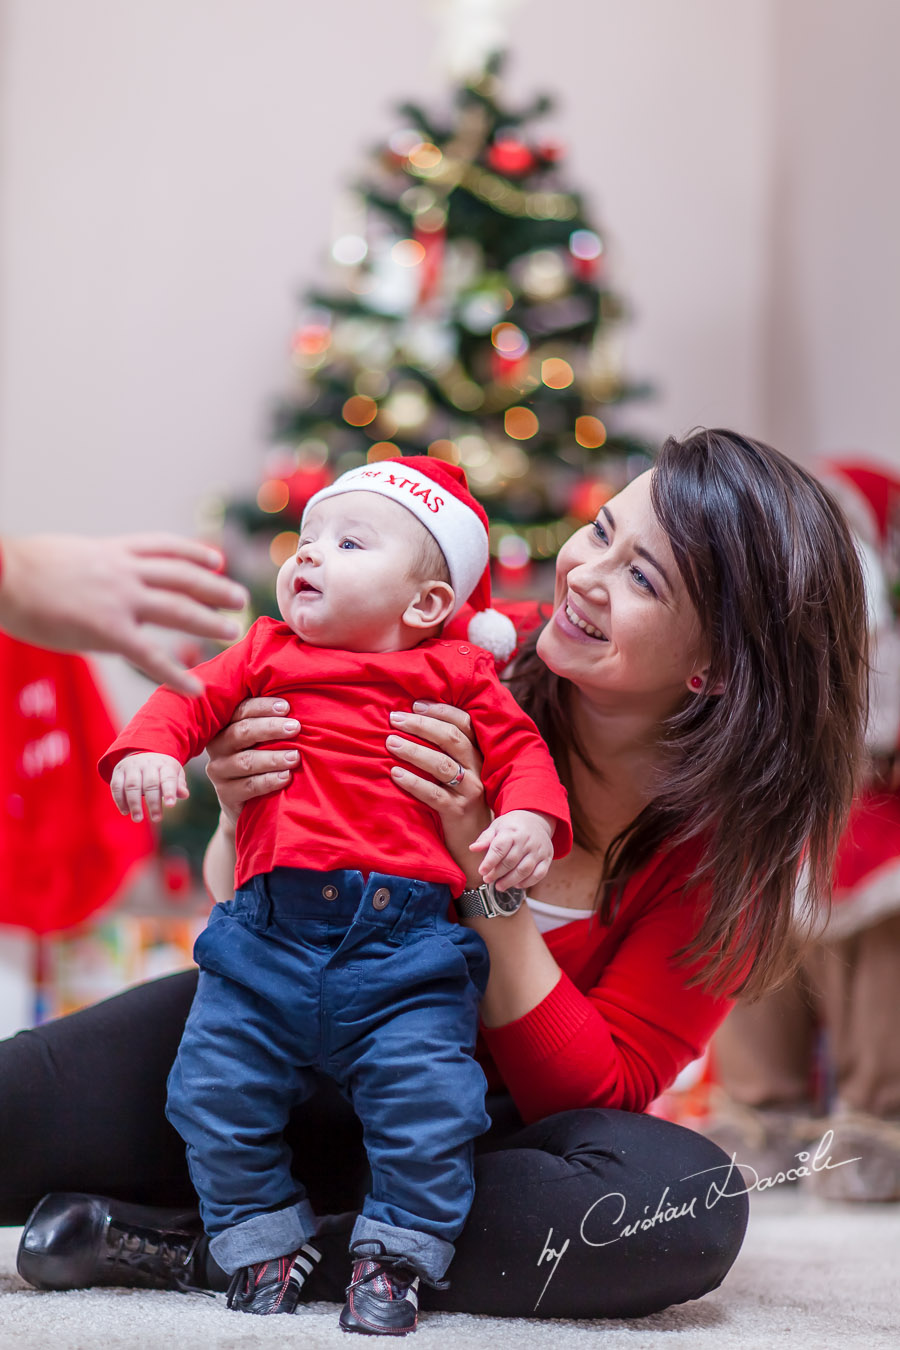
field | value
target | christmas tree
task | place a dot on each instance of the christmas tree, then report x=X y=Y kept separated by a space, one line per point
x=469 y=317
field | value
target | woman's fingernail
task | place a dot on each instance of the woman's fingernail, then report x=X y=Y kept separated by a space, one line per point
x=398 y=718
x=281 y=705
x=397 y=772
x=283 y=774
x=291 y=725
x=421 y=705
x=393 y=742
x=291 y=756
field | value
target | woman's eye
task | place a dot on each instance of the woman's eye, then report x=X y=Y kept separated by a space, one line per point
x=642 y=580
x=599 y=532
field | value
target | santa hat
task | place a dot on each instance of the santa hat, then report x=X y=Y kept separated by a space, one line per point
x=870 y=496
x=438 y=496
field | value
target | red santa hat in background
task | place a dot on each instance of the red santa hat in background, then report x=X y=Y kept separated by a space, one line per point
x=869 y=496
x=438 y=495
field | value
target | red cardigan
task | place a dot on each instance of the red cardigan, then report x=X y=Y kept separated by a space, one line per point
x=620 y=1023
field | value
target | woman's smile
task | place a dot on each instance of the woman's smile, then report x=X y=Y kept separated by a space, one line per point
x=580 y=621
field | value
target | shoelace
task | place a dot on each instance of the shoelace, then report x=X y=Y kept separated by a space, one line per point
x=382 y=1266
x=131 y=1249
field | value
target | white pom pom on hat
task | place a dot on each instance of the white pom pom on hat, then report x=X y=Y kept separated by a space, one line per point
x=438 y=495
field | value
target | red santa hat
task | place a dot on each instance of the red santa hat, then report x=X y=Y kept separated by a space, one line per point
x=869 y=491
x=438 y=496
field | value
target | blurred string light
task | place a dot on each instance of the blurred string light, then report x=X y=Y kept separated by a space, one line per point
x=445 y=450
x=590 y=432
x=509 y=341
x=425 y=158
x=283 y=546
x=513 y=551
x=585 y=245
x=556 y=373
x=273 y=495
x=382 y=450
x=520 y=423
x=349 y=249
x=360 y=410
x=488 y=187
x=407 y=253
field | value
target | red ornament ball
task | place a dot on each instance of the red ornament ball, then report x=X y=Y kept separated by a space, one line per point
x=510 y=157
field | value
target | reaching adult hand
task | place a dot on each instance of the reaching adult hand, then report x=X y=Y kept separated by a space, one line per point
x=240 y=766
x=72 y=593
x=459 y=801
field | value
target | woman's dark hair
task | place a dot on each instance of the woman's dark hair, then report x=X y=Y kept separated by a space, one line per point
x=761 y=775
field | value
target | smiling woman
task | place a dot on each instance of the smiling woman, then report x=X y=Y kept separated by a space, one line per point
x=700 y=683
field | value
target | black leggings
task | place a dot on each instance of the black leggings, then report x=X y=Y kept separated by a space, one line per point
x=589 y=1213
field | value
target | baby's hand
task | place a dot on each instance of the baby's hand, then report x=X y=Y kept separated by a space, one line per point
x=158 y=778
x=519 y=849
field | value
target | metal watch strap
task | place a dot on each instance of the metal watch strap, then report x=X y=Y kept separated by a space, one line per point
x=475 y=904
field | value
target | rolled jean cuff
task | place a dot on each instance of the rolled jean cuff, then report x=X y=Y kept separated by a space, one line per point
x=429 y=1254
x=265 y=1237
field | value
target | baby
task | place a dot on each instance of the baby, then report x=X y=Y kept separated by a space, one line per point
x=336 y=955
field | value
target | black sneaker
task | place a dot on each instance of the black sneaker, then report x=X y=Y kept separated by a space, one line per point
x=273 y=1286
x=74 y=1241
x=382 y=1297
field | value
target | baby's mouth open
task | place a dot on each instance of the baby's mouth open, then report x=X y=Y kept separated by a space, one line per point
x=304 y=587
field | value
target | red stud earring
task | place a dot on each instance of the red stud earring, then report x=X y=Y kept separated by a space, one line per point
x=696 y=682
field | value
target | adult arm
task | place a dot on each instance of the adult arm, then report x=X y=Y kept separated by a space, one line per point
x=523 y=972
x=620 y=1036
x=71 y=593
x=240 y=767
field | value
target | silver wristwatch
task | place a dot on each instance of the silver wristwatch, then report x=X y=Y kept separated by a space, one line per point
x=486 y=902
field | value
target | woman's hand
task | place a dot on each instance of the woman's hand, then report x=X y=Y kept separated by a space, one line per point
x=240 y=767
x=462 y=808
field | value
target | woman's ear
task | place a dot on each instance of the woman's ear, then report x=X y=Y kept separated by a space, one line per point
x=430 y=606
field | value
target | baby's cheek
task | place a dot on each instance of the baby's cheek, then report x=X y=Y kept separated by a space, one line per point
x=284 y=591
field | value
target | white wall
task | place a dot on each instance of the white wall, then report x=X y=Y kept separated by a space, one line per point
x=832 y=338
x=171 y=169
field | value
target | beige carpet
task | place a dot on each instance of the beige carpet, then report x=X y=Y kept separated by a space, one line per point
x=811 y=1276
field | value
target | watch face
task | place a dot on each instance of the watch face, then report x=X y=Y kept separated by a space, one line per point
x=508 y=901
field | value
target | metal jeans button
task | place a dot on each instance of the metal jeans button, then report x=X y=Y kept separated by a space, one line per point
x=330 y=892
x=381 y=898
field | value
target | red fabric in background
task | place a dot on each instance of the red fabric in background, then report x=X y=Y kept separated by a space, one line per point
x=64 y=849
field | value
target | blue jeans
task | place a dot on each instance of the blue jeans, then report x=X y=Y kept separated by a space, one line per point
x=307 y=973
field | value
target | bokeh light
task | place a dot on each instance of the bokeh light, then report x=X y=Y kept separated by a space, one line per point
x=382 y=450
x=513 y=551
x=585 y=244
x=360 y=410
x=509 y=340
x=520 y=423
x=425 y=157
x=349 y=249
x=407 y=253
x=283 y=546
x=556 y=373
x=273 y=495
x=590 y=432
x=445 y=450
